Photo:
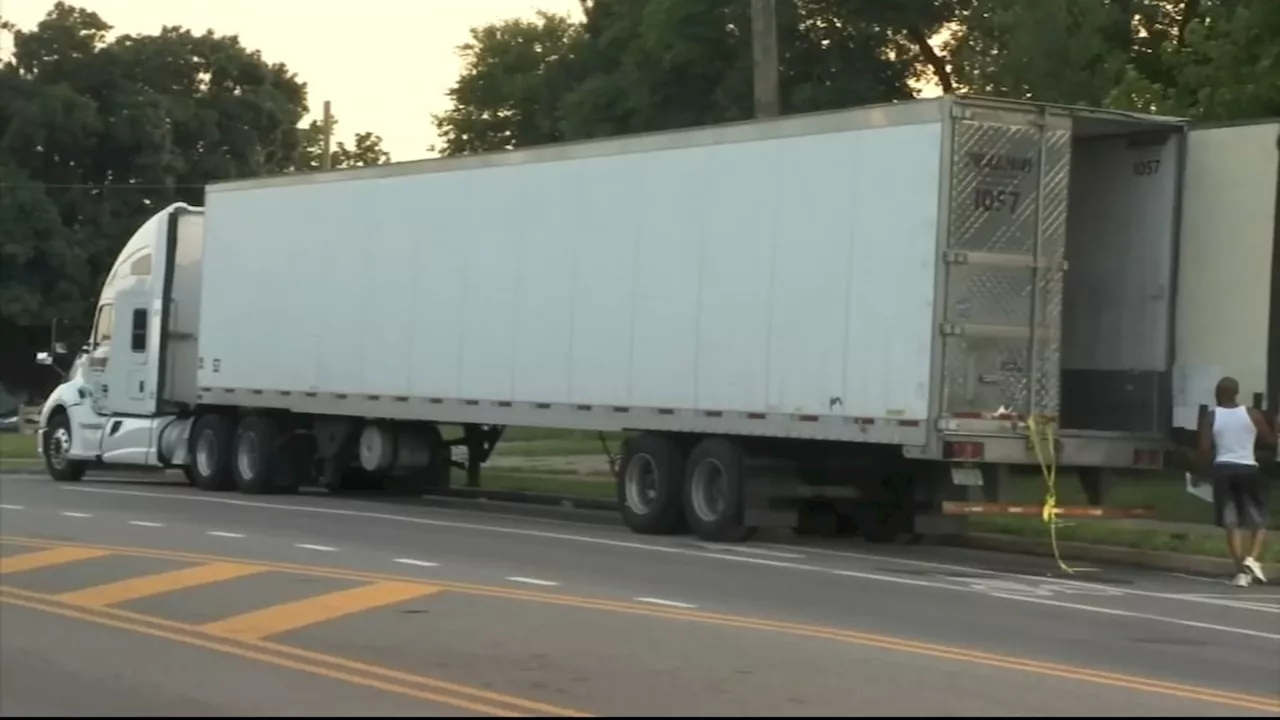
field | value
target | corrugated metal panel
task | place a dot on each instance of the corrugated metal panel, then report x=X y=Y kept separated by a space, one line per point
x=792 y=274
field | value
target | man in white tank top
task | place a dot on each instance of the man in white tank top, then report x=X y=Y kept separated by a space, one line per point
x=1228 y=435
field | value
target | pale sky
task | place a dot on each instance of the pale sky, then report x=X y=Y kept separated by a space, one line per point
x=384 y=64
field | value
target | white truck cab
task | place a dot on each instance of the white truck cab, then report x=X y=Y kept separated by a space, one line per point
x=124 y=398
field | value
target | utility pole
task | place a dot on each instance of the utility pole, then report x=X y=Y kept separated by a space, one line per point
x=327 y=129
x=764 y=51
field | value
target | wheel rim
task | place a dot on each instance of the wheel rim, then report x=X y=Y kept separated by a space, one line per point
x=642 y=483
x=206 y=454
x=59 y=447
x=709 y=490
x=247 y=455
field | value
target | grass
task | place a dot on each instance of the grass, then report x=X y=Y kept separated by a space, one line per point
x=1207 y=544
x=557 y=484
x=17 y=449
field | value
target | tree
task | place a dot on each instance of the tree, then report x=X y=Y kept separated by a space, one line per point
x=515 y=73
x=366 y=149
x=97 y=133
x=1062 y=51
x=644 y=65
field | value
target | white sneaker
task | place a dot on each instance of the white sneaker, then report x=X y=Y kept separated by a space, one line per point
x=1254 y=568
x=1242 y=580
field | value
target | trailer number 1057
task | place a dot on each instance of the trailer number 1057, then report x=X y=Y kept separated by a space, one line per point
x=988 y=200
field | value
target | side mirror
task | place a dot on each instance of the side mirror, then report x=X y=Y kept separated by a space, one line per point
x=59 y=348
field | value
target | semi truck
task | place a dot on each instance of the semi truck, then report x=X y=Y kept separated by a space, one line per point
x=873 y=315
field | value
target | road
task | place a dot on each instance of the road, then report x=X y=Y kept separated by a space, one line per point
x=147 y=598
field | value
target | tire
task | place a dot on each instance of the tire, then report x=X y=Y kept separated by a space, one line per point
x=260 y=463
x=211 y=454
x=435 y=476
x=650 y=485
x=57 y=443
x=716 y=462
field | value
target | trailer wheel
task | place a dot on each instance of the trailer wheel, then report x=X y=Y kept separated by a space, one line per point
x=713 y=492
x=57 y=449
x=259 y=456
x=435 y=476
x=650 y=477
x=211 y=454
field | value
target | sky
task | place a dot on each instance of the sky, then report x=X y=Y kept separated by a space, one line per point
x=384 y=65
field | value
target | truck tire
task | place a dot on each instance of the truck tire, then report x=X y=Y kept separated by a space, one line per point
x=713 y=491
x=261 y=464
x=435 y=476
x=650 y=480
x=57 y=445
x=211 y=454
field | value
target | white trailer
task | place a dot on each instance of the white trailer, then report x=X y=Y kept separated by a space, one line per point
x=872 y=305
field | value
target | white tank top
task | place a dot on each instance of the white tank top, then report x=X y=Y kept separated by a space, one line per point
x=1233 y=436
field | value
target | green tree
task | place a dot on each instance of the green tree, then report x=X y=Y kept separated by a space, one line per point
x=97 y=133
x=365 y=149
x=1063 y=51
x=643 y=65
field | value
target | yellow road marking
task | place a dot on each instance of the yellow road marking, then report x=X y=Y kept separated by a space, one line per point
x=262 y=657
x=301 y=613
x=148 y=585
x=1034 y=666
x=48 y=558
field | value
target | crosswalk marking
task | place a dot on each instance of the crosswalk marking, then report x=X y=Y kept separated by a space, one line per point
x=294 y=615
x=47 y=558
x=149 y=585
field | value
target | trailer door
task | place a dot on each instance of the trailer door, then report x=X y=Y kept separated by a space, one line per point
x=1003 y=260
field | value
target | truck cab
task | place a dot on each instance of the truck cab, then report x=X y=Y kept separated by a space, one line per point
x=134 y=377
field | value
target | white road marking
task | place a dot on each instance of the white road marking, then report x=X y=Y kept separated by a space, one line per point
x=1144 y=616
x=533 y=581
x=11 y=507
x=219 y=533
x=1238 y=596
x=417 y=563
x=1199 y=578
x=144 y=523
x=322 y=548
x=665 y=603
x=749 y=550
x=77 y=514
x=1100 y=588
x=953 y=587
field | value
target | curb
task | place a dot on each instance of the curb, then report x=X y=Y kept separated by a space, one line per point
x=1131 y=557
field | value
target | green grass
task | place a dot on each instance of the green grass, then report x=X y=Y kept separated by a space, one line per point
x=1163 y=491
x=18 y=448
x=565 y=485
x=1208 y=544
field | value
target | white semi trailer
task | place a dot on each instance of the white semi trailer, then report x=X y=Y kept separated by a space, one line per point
x=869 y=310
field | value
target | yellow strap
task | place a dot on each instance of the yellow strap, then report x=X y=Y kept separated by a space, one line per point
x=1049 y=469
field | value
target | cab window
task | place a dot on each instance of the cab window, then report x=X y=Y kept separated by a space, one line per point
x=102 y=326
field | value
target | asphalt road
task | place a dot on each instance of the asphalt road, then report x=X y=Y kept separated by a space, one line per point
x=153 y=599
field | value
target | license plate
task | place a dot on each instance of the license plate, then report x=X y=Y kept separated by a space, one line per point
x=966 y=476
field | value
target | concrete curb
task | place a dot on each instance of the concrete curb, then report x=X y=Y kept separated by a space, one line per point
x=1131 y=557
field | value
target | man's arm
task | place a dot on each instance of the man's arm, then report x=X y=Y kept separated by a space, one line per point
x=1266 y=435
x=1204 y=453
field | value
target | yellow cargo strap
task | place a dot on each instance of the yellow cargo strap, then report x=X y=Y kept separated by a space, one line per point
x=1048 y=468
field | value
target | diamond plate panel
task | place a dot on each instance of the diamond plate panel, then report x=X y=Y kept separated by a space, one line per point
x=999 y=205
